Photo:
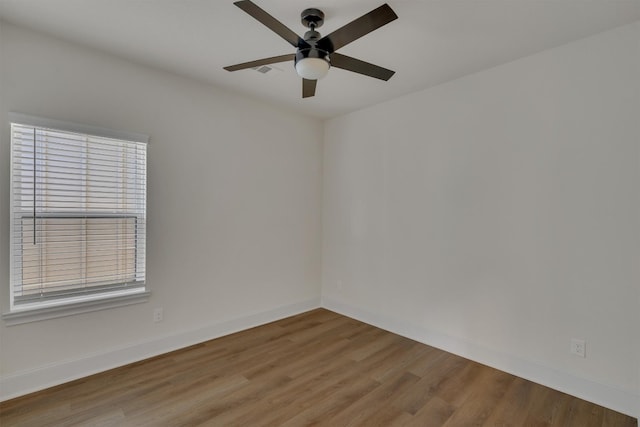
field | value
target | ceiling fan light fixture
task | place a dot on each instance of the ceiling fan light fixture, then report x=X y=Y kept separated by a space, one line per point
x=312 y=64
x=312 y=68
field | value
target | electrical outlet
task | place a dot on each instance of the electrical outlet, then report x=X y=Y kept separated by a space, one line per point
x=578 y=347
x=158 y=314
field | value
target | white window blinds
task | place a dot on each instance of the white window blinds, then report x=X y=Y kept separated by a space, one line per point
x=78 y=215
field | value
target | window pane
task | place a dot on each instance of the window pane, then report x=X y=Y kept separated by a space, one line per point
x=88 y=195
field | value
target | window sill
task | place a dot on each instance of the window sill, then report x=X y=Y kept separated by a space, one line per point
x=17 y=317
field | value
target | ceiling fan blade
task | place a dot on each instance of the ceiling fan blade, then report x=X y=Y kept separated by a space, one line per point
x=272 y=23
x=308 y=88
x=357 y=28
x=259 y=62
x=357 y=66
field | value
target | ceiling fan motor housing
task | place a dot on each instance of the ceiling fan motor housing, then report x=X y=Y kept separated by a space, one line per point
x=311 y=52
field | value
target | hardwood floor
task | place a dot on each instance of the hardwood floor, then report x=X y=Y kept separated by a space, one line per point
x=317 y=368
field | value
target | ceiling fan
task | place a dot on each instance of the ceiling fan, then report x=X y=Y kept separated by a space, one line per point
x=314 y=54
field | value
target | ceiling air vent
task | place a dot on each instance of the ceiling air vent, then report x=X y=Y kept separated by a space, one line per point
x=264 y=69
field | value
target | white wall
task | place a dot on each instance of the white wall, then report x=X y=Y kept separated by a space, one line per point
x=234 y=194
x=498 y=216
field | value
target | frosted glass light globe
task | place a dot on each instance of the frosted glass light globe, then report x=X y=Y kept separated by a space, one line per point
x=312 y=68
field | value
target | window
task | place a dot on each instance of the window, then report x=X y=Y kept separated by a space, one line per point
x=78 y=215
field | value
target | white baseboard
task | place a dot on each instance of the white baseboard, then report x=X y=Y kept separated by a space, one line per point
x=624 y=401
x=42 y=377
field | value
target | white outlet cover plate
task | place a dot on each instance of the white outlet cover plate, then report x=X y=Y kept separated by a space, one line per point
x=578 y=347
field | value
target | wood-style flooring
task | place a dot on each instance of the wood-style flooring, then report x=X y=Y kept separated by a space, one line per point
x=317 y=368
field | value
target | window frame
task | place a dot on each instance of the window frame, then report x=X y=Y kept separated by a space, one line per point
x=53 y=308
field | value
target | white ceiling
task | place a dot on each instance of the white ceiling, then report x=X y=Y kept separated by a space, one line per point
x=432 y=42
